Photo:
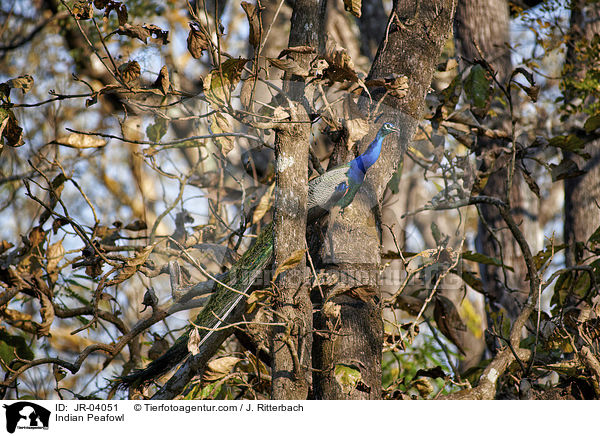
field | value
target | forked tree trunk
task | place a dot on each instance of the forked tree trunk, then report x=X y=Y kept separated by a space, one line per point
x=352 y=340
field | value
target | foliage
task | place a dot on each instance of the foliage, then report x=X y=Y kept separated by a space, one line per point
x=152 y=166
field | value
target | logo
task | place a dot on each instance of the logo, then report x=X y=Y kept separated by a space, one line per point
x=26 y=415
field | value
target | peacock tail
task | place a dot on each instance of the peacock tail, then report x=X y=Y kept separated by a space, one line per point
x=217 y=312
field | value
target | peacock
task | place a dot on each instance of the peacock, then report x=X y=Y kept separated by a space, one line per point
x=336 y=187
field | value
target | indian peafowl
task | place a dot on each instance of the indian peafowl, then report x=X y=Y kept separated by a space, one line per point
x=336 y=187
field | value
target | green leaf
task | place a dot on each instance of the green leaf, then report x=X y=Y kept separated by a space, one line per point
x=592 y=123
x=582 y=284
x=542 y=256
x=347 y=377
x=567 y=169
x=482 y=258
x=594 y=240
x=219 y=84
x=561 y=289
x=478 y=89
x=156 y=131
x=471 y=280
x=12 y=346
x=568 y=143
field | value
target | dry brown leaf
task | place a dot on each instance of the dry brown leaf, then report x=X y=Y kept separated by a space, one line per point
x=219 y=368
x=318 y=66
x=141 y=257
x=289 y=66
x=37 y=236
x=101 y=4
x=124 y=274
x=193 y=344
x=280 y=114
x=144 y=32
x=197 y=41
x=362 y=293
x=10 y=129
x=341 y=67
x=162 y=81
x=255 y=298
x=130 y=71
x=397 y=85
x=136 y=226
x=353 y=6
x=246 y=92
x=254 y=23
x=356 y=123
x=424 y=386
x=290 y=262
x=79 y=140
x=54 y=255
x=82 y=10
x=448 y=320
x=263 y=205
x=122 y=14
x=47 y=315
x=5 y=245
x=220 y=124
x=23 y=83
x=332 y=310
x=302 y=49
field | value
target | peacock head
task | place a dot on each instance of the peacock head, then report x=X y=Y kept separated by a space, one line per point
x=387 y=128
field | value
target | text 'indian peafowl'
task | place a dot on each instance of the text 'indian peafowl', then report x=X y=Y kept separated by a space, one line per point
x=336 y=187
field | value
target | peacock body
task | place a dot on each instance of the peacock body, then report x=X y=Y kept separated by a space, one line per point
x=338 y=186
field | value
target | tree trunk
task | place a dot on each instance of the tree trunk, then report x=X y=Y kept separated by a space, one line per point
x=352 y=341
x=482 y=29
x=484 y=24
x=291 y=347
x=371 y=28
x=582 y=194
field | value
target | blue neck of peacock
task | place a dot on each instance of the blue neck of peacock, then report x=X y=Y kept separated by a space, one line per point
x=360 y=165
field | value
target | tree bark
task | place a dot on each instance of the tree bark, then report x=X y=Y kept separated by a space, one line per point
x=582 y=194
x=291 y=347
x=484 y=24
x=370 y=26
x=481 y=29
x=416 y=34
x=292 y=343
